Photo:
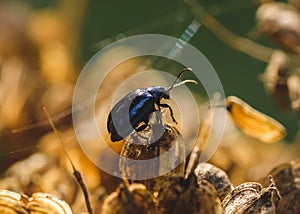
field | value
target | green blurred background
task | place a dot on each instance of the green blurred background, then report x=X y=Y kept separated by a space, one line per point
x=106 y=21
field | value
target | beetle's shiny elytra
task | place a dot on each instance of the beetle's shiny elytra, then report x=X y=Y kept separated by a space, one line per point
x=132 y=112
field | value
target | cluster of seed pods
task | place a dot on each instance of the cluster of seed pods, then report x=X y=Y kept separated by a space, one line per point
x=281 y=23
x=206 y=190
x=201 y=187
x=38 y=203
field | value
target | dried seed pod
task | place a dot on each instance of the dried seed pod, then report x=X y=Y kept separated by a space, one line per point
x=215 y=176
x=252 y=198
x=281 y=22
x=134 y=198
x=293 y=83
x=253 y=122
x=41 y=203
x=179 y=195
x=12 y=202
x=287 y=178
x=40 y=173
x=285 y=87
x=275 y=79
x=167 y=154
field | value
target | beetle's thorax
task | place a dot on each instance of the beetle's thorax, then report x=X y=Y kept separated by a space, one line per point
x=159 y=92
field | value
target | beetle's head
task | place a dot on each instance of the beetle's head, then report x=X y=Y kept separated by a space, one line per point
x=159 y=92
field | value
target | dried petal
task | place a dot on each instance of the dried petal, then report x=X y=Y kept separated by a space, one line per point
x=253 y=122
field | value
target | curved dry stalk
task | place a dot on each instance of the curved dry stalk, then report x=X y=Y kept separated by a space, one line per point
x=76 y=172
x=233 y=40
x=237 y=42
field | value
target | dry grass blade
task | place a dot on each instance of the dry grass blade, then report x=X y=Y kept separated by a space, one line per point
x=76 y=173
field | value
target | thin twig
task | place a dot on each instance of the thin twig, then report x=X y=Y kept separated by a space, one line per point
x=237 y=42
x=199 y=147
x=233 y=40
x=193 y=161
x=76 y=173
x=19 y=150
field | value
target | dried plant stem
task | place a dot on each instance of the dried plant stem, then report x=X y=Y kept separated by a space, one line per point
x=76 y=172
x=202 y=139
x=239 y=43
x=198 y=148
x=194 y=157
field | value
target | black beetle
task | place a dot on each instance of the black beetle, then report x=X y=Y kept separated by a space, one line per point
x=133 y=110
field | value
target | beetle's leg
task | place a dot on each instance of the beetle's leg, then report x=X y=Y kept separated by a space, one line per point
x=158 y=116
x=164 y=105
x=143 y=126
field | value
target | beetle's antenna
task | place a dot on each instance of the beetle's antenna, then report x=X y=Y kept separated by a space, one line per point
x=76 y=173
x=177 y=78
x=185 y=81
